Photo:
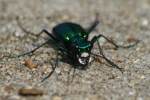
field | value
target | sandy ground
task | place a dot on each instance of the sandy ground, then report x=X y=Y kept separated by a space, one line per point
x=122 y=20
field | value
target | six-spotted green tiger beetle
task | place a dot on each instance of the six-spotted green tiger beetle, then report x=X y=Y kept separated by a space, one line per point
x=72 y=40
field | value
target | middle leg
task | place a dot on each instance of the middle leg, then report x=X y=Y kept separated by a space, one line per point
x=109 y=61
x=53 y=68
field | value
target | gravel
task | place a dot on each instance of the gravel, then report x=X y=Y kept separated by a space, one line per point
x=120 y=20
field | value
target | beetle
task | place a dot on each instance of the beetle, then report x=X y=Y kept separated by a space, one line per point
x=72 y=40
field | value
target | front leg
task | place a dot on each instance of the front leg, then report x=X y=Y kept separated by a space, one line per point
x=95 y=38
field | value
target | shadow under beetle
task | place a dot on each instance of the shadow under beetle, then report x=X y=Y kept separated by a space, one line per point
x=72 y=40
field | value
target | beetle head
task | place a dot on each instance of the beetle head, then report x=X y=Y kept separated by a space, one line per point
x=83 y=55
x=84 y=58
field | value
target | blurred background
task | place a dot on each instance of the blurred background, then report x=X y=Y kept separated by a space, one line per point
x=121 y=20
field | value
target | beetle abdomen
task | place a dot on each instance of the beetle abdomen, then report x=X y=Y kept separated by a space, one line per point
x=67 y=31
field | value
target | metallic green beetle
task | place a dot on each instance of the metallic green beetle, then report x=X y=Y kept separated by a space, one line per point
x=72 y=40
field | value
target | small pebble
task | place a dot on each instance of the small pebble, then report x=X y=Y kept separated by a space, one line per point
x=131 y=39
x=58 y=70
x=137 y=60
x=9 y=88
x=14 y=97
x=29 y=91
x=142 y=77
x=145 y=22
x=30 y=64
x=56 y=98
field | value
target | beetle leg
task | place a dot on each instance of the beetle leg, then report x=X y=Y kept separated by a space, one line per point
x=53 y=68
x=94 y=24
x=48 y=33
x=26 y=53
x=23 y=29
x=32 y=51
x=111 y=42
x=63 y=50
x=104 y=57
x=71 y=76
x=31 y=33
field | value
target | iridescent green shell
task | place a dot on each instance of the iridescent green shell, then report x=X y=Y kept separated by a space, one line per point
x=72 y=33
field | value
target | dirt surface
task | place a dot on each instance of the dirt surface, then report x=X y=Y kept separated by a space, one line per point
x=121 y=20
